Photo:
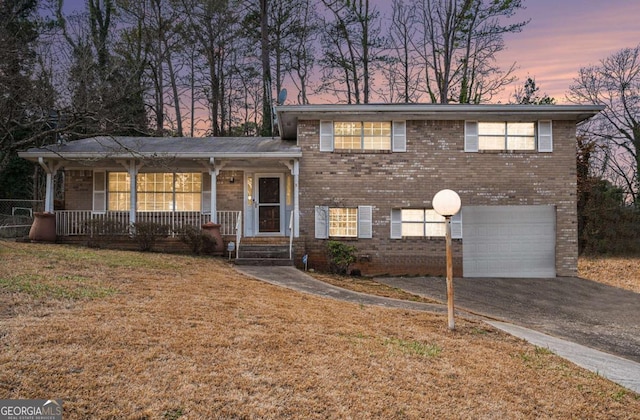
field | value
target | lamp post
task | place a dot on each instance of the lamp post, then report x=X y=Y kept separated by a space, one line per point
x=447 y=203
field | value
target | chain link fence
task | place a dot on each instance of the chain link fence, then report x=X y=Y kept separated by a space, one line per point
x=16 y=216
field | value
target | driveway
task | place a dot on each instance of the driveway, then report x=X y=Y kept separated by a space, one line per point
x=578 y=310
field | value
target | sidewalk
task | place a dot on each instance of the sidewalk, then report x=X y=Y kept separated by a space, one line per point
x=617 y=369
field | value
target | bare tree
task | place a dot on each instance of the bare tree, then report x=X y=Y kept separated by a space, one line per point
x=458 y=42
x=402 y=71
x=352 y=45
x=614 y=83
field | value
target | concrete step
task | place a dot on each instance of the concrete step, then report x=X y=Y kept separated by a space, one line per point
x=264 y=251
x=265 y=262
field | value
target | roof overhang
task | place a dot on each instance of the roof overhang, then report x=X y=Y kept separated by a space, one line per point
x=166 y=148
x=289 y=115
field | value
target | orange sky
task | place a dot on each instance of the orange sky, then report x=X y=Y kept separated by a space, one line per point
x=565 y=35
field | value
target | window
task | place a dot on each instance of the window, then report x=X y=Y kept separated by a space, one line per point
x=119 y=191
x=343 y=222
x=508 y=136
x=348 y=222
x=156 y=191
x=363 y=135
x=422 y=223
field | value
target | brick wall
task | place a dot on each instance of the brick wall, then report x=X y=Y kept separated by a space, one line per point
x=435 y=159
x=78 y=190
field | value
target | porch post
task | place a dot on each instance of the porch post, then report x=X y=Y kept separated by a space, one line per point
x=133 y=186
x=214 y=207
x=296 y=201
x=50 y=168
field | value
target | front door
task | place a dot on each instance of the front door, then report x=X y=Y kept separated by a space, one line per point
x=269 y=205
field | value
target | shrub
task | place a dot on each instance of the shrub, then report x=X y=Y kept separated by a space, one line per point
x=101 y=232
x=198 y=242
x=146 y=234
x=341 y=256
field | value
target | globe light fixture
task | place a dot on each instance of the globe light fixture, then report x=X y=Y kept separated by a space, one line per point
x=447 y=203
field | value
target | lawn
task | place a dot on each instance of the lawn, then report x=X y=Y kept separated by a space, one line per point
x=130 y=335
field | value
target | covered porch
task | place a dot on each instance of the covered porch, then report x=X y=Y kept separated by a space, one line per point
x=249 y=186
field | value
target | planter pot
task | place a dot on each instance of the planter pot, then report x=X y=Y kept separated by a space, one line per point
x=213 y=231
x=43 y=228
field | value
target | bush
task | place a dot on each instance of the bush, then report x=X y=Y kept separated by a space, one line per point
x=198 y=242
x=146 y=234
x=102 y=232
x=341 y=256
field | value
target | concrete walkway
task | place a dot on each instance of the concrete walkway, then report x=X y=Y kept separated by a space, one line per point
x=620 y=370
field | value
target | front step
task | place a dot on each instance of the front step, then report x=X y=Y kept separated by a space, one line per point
x=263 y=252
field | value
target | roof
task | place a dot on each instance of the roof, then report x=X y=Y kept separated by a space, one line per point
x=175 y=147
x=289 y=115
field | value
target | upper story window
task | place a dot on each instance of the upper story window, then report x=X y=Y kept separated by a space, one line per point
x=506 y=136
x=363 y=135
x=513 y=136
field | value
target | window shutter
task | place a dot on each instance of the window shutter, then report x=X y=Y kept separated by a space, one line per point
x=470 y=136
x=365 y=222
x=326 y=136
x=99 y=191
x=545 y=136
x=396 y=224
x=206 y=193
x=399 y=136
x=322 y=222
x=456 y=226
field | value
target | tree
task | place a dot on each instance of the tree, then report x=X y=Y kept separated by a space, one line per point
x=458 y=42
x=614 y=83
x=401 y=71
x=528 y=95
x=352 y=45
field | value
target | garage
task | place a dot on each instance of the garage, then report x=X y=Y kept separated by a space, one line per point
x=509 y=241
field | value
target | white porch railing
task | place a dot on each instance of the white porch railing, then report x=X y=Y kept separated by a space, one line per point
x=85 y=222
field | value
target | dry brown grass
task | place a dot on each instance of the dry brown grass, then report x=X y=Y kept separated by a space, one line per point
x=162 y=336
x=622 y=272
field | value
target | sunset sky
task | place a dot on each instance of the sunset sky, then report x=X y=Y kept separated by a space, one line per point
x=565 y=35
x=562 y=37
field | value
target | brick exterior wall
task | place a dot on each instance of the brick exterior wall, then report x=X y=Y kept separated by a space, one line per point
x=78 y=190
x=435 y=159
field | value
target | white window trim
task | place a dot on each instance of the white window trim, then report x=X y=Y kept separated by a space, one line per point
x=543 y=137
x=364 y=222
x=396 y=225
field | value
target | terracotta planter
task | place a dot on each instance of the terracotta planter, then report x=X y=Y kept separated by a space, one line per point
x=213 y=231
x=43 y=228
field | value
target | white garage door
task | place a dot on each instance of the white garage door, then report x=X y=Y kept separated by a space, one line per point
x=509 y=241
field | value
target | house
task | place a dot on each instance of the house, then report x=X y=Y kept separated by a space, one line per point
x=361 y=174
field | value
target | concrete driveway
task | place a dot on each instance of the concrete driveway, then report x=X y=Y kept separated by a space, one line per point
x=578 y=310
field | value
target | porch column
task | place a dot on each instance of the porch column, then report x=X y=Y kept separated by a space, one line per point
x=50 y=168
x=296 y=200
x=133 y=169
x=214 y=207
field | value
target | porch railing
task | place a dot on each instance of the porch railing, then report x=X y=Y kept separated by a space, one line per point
x=86 y=222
